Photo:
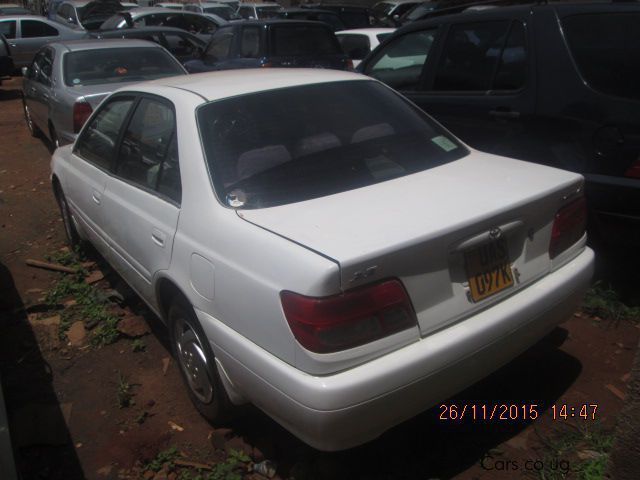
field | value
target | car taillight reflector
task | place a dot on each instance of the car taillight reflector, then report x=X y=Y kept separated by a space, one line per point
x=338 y=322
x=81 y=112
x=634 y=170
x=568 y=227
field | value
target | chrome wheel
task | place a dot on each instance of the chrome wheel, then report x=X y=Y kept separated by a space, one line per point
x=193 y=360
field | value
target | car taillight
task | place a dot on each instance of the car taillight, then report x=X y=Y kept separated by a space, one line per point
x=568 y=227
x=634 y=170
x=338 y=322
x=81 y=112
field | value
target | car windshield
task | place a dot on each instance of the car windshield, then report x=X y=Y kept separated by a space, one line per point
x=289 y=145
x=115 y=65
x=303 y=40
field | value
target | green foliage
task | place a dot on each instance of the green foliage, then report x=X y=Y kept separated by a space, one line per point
x=138 y=345
x=166 y=456
x=124 y=394
x=106 y=332
x=593 y=469
x=603 y=301
x=233 y=468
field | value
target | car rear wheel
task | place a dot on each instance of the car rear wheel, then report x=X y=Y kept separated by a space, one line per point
x=193 y=353
x=33 y=129
x=69 y=227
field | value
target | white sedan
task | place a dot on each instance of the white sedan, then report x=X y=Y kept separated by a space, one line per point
x=320 y=247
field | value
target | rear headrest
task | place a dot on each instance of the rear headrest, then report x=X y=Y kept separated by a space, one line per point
x=372 y=131
x=261 y=159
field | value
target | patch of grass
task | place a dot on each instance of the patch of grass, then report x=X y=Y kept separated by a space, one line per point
x=106 y=332
x=138 y=345
x=166 y=456
x=67 y=257
x=603 y=301
x=566 y=444
x=124 y=394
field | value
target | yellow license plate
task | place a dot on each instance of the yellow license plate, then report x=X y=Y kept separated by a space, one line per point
x=488 y=269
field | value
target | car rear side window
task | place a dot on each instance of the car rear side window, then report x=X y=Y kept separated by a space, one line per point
x=606 y=49
x=293 y=144
x=400 y=64
x=300 y=40
x=355 y=46
x=97 y=143
x=8 y=28
x=34 y=28
x=146 y=145
x=220 y=46
x=250 y=45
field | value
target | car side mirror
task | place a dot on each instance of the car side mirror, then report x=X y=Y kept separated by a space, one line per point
x=72 y=20
x=26 y=72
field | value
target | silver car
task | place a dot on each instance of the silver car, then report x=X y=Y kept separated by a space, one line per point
x=27 y=33
x=67 y=81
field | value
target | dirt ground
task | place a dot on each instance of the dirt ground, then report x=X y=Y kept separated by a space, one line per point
x=68 y=421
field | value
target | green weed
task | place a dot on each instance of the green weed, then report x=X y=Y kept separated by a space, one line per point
x=603 y=301
x=124 y=394
x=166 y=456
x=138 y=345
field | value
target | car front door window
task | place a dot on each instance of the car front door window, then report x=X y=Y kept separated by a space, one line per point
x=35 y=29
x=97 y=143
x=400 y=65
x=8 y=28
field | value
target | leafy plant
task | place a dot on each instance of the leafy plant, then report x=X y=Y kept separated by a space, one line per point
x=138 y=345
x=603 y=301
x=124 y=394
x=166 y=456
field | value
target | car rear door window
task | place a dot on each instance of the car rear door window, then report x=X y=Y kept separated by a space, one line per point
x=400 y=64
x=97 y=143
x=355 y=46
x=219 y=47
x=606 y=49
x=35 y=28
x=44 y=67
x=146 y=144
x=8 y=28
x=474 y=51
x=246 y=12
x=250 y=44
x=301 y=40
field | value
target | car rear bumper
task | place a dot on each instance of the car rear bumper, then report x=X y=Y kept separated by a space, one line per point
x=352 y=407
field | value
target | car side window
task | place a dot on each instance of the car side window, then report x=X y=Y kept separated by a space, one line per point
x=8 y=28
x=400 y=64
x=250 y=44
x=201 y=24
x=355 y=46
x=512 y=71
x=145 y=144
x=97 y=142
x=169 y=183
x=45 y=67
x=246 y=12
x=220 y=47
x=471 y=55
x=35 y=28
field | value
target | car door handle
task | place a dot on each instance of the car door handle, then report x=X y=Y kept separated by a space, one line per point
x=504 y=113
x=158 y=237
x=14 y=45
x=97 y=197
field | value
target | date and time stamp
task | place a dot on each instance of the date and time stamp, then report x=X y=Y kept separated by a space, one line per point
x=506 y=412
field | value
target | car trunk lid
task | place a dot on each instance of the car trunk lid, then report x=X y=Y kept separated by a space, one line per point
x=431 y=229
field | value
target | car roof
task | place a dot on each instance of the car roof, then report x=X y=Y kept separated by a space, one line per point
x=229 y=83
x=368 y=31
x=94 y=44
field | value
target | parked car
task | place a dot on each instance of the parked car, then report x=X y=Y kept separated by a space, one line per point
x=169 y=5
x=201 y=25
x=272 y=43
x=352 y=16
x=68 y=80
x=358 y=43
x=180 y=43
x=388 y=12
x=222 y=10
x=87 y=14
x=326 y=16
x=561 y=89
x=297 y=277
x=259 y=11
x=434 y=8
x=6 y=61
x=27 y=33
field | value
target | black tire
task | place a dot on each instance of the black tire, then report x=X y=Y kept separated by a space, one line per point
x=33 y=129
x=196 y=362
x=73 y=238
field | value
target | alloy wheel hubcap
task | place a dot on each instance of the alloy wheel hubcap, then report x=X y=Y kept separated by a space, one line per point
x=193 y=361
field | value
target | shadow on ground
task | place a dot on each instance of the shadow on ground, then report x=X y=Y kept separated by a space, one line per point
x=43 y=447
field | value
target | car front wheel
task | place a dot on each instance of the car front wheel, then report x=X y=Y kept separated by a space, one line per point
x=69 y=227
x=193 y=353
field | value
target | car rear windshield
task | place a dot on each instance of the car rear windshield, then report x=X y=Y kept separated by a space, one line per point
x=293 y=144
x=113 y=65
x=606 y=48
x=301 y=40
